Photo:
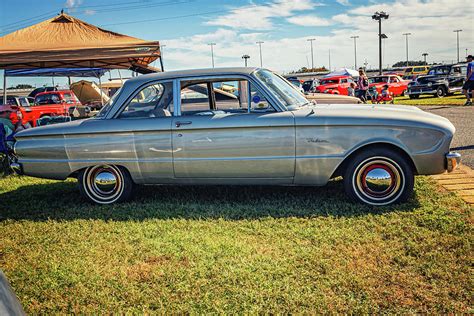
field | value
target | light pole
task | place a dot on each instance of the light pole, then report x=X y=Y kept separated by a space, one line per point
x=260 y=47
x=245 y=57
x=457 y=38
x=355 y=50
x=212 y=52
x=379 y=16
x=406 y=43
x=312 y=54
x=424 y=57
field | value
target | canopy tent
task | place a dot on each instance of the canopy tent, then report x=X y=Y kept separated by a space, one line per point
x=343 y=72
x=56 y=72
x=65 y=41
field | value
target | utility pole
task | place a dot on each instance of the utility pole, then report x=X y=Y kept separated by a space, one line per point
x=212 y=52
x=260 y=46
x=355 y=50
x=406 y=44
x=457 y=37
x=329 y=59
x=245 y=57
x=424 y=57
x=379 y=16
x=312 y=54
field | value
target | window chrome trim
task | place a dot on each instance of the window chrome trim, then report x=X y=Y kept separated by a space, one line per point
x=229 y=77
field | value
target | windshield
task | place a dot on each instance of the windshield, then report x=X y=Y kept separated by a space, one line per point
x=439 y=71
x=329 y=81
x=378 y=79
x=108 y=106
x=281 y=89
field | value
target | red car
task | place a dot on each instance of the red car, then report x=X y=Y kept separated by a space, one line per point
x=396 y=85
x=54 y=103
x=334 y=85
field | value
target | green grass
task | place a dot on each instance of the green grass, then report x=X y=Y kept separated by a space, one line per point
x=457 y=99
x=224 y=249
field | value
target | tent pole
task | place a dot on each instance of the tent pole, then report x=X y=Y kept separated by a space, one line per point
x=100 y=88
x=69 y=81
x=5 y=86
x=161 y=63
x=53 y=80
x=120 y=75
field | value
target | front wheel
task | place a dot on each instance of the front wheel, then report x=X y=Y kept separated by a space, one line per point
x=440 y=92
x=379 y=177
x=105 y=184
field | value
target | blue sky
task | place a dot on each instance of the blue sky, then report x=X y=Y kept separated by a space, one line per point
x=283 y=25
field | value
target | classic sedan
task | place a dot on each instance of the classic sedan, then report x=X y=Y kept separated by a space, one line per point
x=173 y=128
x=396 y=85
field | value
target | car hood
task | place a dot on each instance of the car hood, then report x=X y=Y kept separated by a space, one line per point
x=431 y=78
x=376 y=114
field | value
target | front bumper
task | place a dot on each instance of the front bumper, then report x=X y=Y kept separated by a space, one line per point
x=416 y=90
x=453 y=159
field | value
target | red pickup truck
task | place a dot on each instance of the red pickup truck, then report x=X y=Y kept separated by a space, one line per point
x=53 y=103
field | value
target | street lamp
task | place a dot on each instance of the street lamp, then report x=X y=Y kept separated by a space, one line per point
x=424 y=57
x=245 y=57
x=457 y=37
x=312 y=54
x=260 y=46
x=212 y=52
x=379 y=16
x=406 y=43
x=355 y=50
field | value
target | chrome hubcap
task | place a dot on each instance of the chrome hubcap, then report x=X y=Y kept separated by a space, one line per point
x=378 y=180
x=105 y=182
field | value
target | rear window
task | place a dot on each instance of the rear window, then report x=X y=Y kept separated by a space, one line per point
x=409 y=69
x=329 y=81
x=47 y=99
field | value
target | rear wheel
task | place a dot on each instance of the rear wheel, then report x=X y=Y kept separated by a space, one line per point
x=379 y=177
x=440 y=92
x=105 y=184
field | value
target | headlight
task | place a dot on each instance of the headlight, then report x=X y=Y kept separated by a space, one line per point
x=430 y=84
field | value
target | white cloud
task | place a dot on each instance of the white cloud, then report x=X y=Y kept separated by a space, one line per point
x=73 y=3
x=309 y=20
x=260 y=16
x=89 y=12
x=343 y=2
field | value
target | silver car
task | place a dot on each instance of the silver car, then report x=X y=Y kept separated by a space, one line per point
x=192 y=127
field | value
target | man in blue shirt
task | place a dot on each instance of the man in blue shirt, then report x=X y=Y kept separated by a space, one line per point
x=468 y=86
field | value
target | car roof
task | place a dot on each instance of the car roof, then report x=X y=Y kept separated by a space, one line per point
x=192 y=73
x=53 y=92
x=336 y=77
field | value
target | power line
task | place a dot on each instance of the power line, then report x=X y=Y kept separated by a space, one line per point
x=28 y=19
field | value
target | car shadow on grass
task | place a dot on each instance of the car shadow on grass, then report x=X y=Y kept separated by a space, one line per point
x=61 y=201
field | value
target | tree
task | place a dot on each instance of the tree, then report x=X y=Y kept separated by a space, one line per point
x=21 y=86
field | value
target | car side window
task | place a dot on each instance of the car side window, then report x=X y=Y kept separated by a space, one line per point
x=456 y=71
x=231 y=96
x=195 y=99
x=393 y=80
x=153 y=101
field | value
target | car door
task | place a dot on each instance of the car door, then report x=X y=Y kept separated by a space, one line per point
x=234 y=136
x=457 y=76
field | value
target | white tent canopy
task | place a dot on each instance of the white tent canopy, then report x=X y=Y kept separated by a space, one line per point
x=343 y=72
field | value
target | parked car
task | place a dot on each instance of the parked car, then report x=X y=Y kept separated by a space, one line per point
x=15 y=100
x=415 y=71
x=297 y=83
x=440 y=81
x=268 y=134
x=309 y=86
x=334 y=85
x=396 y=85
x=42 y=89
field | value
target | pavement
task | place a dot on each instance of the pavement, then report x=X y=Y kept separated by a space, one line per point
x=463 y=119
x=460 y=181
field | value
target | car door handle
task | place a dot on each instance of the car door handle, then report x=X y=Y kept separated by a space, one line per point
x=179 y=123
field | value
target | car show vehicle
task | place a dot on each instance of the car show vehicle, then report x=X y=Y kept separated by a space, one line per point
x=411 y=73
x=440 y=81
x=169 y=128
x=297 y=83
x=309 y=86
x=396 y=85
x=334 y=85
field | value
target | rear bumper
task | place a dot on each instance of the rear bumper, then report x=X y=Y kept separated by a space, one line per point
x=453 y=159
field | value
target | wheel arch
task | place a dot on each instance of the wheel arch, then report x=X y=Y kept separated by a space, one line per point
x=386 y=145
x=75 y=173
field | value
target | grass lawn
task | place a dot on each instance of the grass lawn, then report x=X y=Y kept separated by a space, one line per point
x=235 y=249
x=457 y=99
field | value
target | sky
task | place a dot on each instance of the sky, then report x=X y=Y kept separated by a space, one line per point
x=186 y=27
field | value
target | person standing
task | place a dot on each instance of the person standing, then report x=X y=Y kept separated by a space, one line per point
x=468 y=86
x=362 y=86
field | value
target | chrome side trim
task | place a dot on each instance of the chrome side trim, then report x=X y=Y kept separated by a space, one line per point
x=453 y=159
